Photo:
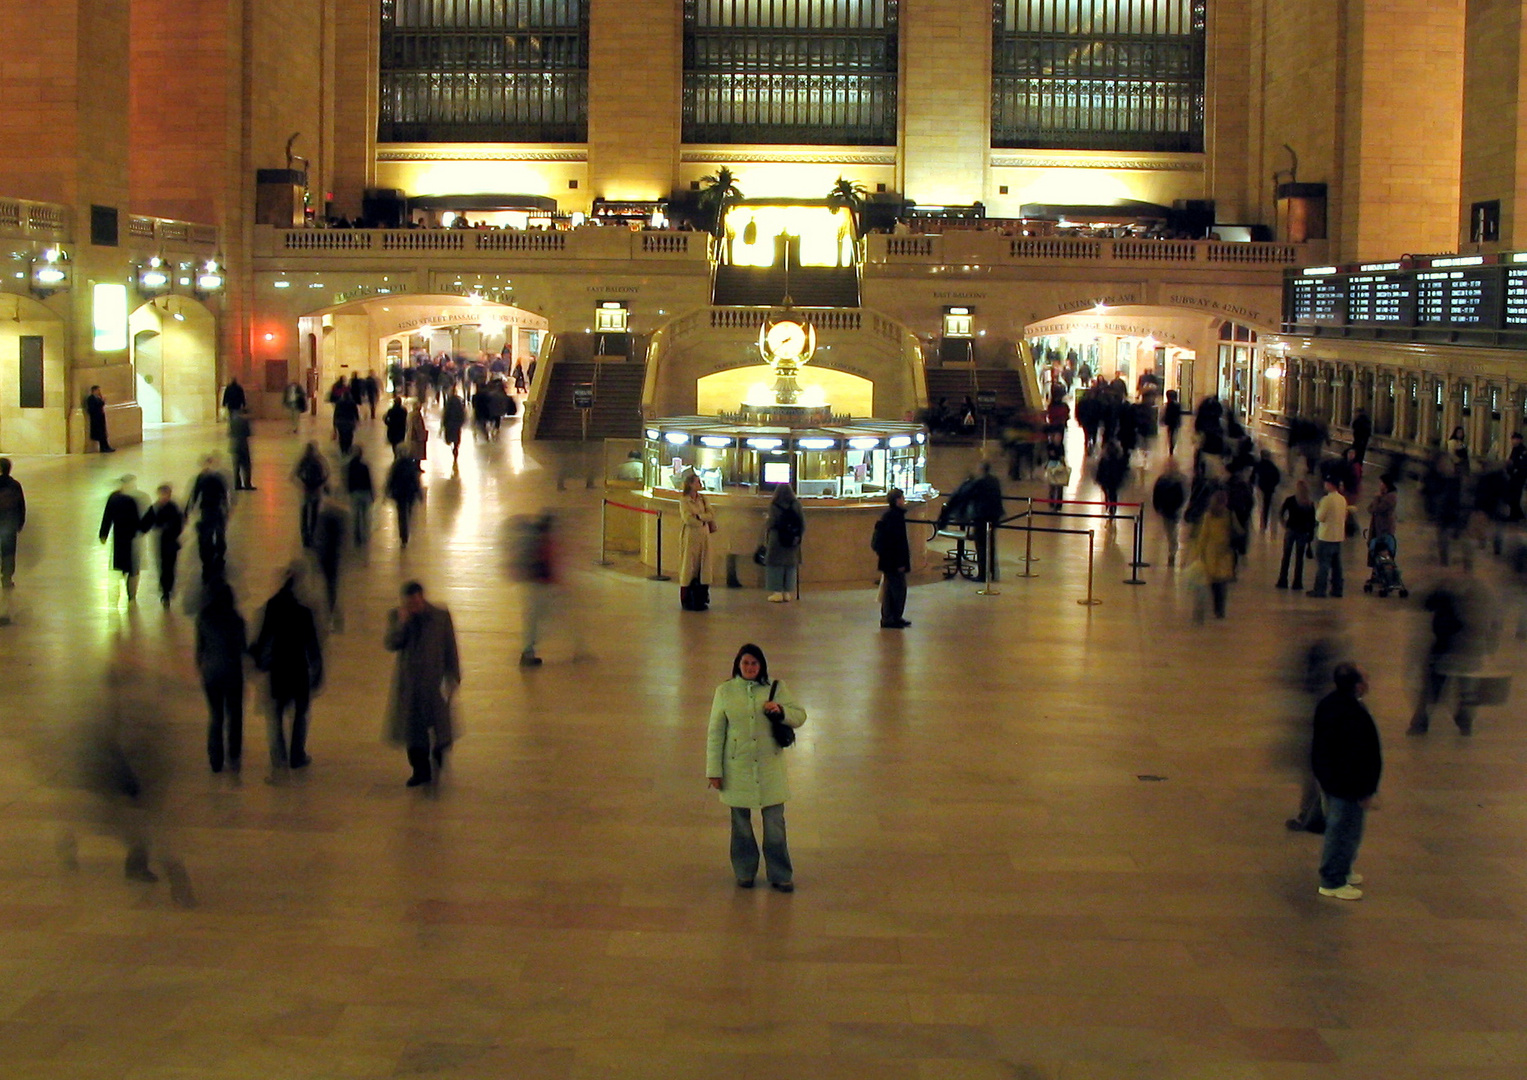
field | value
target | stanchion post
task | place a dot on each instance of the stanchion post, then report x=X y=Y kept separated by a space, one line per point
x=1091 y=601
x=1139 y=538
x=660 y=576
x=1135 y=563
x=604 y=519
x=1028 y=543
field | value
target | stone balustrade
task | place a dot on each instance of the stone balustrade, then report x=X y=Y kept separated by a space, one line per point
x=588 y=242
x=970 y=247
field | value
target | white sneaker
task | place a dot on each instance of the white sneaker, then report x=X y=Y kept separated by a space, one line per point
x=789 y=597
x=1354 y=879
x=776 y=598
x=1346 y=892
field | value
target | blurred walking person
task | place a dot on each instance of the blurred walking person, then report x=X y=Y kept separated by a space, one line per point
x=396 y=422
x=362 y=491
x=404 y=489
x=209 y=494
x=221 y=641
x=537 y=564
x=239 y=432
x=425 y=679
x=288 y=649
x=312 y=476
x=165 y=517
x=1348 y=762
x=453 y=417
x=745 y=762
x=1212 y=553
x=13 y=518
x=1267 y=477
x=329 y=549
x=122 y=521
x=347 y=417
x=1168 y=496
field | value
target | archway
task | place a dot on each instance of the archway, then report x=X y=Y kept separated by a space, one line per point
x=35 y=397
x=370 y=334
x=1194 y=351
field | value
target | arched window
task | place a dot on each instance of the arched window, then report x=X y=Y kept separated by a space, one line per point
x=1099 y=74
x=470 y=71
x=807 y=71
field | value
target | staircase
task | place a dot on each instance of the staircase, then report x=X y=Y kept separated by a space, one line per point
x=617 y=411
x=953 y=385
x=764 y=286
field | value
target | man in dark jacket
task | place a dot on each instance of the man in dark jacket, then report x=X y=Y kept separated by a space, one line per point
x=1267 y=476
x=985 y=515
x=220 y=642
x=165 y=516
x=1347 y=763
x=894 y=557
x=209 y=491
x=239 y=432
x=234 y=399
x=396 y=421
x=1362 y=433
x=1168 y=497
x=288 y=648
x=347 y=417
x=95 y=410
x=13 y=518
x=404 y=489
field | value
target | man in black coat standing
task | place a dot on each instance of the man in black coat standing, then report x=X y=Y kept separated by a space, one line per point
x=986 y=514
x=894 y=556
x=13 y=518
x=220 y=641
x=234 y=399
x=95 y=410
x=287 y=647
x=1362 y=433
x=1347 y=763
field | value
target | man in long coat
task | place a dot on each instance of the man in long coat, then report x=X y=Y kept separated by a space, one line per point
x=123 y=521
x=427 y=674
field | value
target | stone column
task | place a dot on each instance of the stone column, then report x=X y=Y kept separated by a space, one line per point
x=945 y=100
x=636 y=64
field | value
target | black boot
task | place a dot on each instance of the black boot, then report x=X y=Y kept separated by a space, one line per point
x=684 y=600
x=418 y=757
x=702 y=597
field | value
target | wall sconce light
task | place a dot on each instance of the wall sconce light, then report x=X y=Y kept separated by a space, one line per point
x=154 y=277
x=50 y=272
x=209 y=279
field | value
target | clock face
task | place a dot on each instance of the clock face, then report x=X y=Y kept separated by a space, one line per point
x=787 y=340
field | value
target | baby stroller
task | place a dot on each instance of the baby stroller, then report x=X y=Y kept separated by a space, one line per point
x=1384 y=572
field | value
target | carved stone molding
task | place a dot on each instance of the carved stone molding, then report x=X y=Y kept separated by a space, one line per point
x=788 y=157
x=1143 y=164
x=506 y=154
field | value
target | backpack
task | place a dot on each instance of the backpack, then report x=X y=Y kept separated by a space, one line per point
x=789 y=527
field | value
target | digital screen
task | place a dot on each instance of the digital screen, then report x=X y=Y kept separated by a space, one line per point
x=1318 y=300
x=1431 y=297
x=1516 y=296
x=776 y=472
x=1379 y=299
x=1471 y=298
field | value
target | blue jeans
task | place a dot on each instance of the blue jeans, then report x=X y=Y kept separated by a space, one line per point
x=1344 y=833
x=780 y=579
x=1328 y=565
x=745 y=846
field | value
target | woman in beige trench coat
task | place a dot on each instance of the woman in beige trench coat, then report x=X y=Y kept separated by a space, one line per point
x=696 y=523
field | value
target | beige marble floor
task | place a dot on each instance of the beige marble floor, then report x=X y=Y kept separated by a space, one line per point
x=987 y=889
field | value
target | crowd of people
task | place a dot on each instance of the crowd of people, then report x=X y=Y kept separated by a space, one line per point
x=1208 y=511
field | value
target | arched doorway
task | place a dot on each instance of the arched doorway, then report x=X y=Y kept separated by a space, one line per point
x=174 y=355
x=371 y=335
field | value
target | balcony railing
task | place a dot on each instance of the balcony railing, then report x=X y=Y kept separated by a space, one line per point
x=588 y=242
x=26 y=220
x=172 y=235
x=968 y=247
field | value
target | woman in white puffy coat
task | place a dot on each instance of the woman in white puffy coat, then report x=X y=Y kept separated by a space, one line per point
x=747 y=766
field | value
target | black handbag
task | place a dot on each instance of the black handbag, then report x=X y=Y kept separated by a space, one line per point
x=783 y=733
x=761 y=554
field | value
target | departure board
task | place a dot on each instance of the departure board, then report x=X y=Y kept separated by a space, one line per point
x=1479 y=297
x=1381 y=299
x=1516 y=297
x=1318 y=300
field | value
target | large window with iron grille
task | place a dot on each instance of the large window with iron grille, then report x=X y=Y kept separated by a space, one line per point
x=790 y=71
x=484 y=71
x=1099 y=74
